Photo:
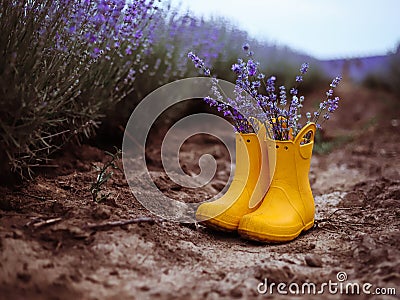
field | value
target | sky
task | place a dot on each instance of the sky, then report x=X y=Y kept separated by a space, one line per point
x=321 y=28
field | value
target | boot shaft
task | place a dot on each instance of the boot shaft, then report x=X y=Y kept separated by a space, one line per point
x=248 y=157
x=252 y=166
x=290 y=160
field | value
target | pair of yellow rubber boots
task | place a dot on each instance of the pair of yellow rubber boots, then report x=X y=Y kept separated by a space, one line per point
x=270 y=198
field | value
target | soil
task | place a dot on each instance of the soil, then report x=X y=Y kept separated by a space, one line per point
x=57 y=243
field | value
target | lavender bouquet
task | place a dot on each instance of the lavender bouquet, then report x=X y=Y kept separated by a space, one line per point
x=280 y=115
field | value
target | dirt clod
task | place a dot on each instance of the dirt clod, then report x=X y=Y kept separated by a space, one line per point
x=101 y=213
x=313 y=261
x=24 y=277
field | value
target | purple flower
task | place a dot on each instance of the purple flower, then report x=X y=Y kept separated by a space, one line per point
x=260 y=76
x=199 y=63
x=293 y=106
x=103 y=7
x=210 y=101
x=246 y=47
x=138 y=34
x=271 y=80
x=304 y=68
x=227 y=113
x=91 y=38
x=251 y=67
x=262 y=100
x=282 y=95
x=99 y=19
x=335 y=81
x=128 y=19
x=72 y=29
x=271 y=88
x=333 y=104
x=256 y=84
x=237 y=68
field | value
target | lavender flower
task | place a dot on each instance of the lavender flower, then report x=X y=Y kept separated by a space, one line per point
x=335 y=81
x=251 y=68
x=333 y=104
x=270 y=88
x=308 y=116
x=282 y=96
x=260 y=76
x=210 y=101
x=293 y=111
x=330 y=104
x=237 y=68
x=304 y=68
x=299 y=78
x=199 y=63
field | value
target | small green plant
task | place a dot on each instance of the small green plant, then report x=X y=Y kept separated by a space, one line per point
x=325 y=146
x=104 y=175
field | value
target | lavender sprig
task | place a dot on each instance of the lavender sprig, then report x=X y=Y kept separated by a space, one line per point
x=331 y=103
x=199 y=63
x=240 y=122
x=294 y=114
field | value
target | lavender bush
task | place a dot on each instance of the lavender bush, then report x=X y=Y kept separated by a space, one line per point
x=280 y=115
x=174 y=35
x=61 y=63
x=389 y=77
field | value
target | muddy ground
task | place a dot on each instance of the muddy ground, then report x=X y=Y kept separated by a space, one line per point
x=355 y=177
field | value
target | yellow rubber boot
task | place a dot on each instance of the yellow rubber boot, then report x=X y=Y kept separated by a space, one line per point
x=288 y=207
x=247 y=188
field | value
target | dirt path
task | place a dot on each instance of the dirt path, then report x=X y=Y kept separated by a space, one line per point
x=357 y=194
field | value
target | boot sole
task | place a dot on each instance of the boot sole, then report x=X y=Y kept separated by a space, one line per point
x=270 y=238
x=218 y=225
